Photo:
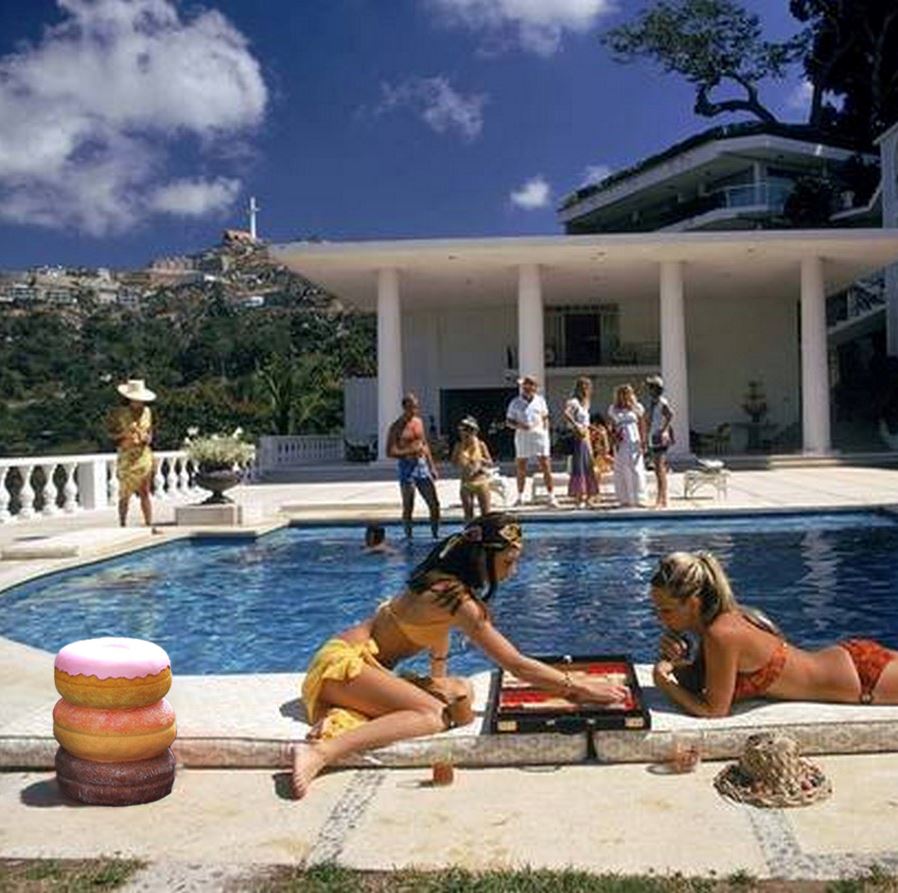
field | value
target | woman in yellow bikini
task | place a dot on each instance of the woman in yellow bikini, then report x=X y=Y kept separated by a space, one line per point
x=743 y=655
x=356 y=702
x=472 y=456
x=131 y=427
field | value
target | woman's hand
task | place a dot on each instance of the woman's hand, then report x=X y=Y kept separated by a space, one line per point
x=662 y=674
x=673 y=648
x=588 y=689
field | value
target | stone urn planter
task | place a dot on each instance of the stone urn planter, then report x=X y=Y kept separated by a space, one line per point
x=216 y=481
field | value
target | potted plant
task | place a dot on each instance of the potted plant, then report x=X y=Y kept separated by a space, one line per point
x=219 y=459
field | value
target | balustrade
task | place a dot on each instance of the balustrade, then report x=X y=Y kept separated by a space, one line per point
x=44 y=486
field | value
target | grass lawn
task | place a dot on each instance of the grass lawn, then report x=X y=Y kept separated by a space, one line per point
x=69 y=875
x=77 y=875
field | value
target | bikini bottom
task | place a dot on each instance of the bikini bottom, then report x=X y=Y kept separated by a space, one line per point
x=870 y=659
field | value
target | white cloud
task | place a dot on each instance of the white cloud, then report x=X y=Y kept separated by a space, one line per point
x=195 y=198
x=595 y=173
x=94 y=111
x=437 y=104
x=799 y=98
x=534 y=194
x=537 y=26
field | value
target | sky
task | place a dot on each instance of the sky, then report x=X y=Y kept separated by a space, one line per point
x=132 y=129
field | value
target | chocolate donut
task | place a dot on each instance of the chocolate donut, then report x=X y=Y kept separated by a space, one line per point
x=115 y=784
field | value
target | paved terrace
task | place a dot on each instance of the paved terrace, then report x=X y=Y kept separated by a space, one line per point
x=618 y=816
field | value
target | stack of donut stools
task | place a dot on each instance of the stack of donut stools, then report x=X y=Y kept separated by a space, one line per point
x=113 y=723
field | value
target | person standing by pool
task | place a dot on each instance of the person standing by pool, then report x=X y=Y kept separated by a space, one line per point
x=742 y=654
x=603 y=455
x=131 y=427
x=627 y=418
x=354 y=700
x=407 y=443
x=472 y=456
x=528 y=414
x=582 y=485
x=660 y=419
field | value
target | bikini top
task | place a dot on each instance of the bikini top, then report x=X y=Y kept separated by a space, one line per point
x=756 y=683
x=429 y=634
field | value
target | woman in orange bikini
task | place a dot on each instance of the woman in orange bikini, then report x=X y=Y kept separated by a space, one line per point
x=743 y=655
x=356 y=702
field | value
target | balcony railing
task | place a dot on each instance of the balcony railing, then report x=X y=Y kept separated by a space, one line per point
x=36 y=487
x=857 y=300
x=767 y=195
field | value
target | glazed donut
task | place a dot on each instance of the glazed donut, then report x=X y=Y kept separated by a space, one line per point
x=112 y=735
x=112 y=672
x=115 y=784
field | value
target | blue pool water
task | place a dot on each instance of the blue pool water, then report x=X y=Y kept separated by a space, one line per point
x=581 y=587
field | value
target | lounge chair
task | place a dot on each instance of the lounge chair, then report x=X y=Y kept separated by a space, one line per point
x=710 y=472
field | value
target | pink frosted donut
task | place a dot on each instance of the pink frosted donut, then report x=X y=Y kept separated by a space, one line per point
x=112 y=672
x=114 y=735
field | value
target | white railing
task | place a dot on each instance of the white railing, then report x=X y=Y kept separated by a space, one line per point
x=32 y=487
x=289 y=451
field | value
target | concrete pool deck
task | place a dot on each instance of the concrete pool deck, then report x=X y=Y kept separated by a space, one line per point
x=602 y=817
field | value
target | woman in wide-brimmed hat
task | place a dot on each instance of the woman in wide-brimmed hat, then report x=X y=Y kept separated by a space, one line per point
x=131 y=427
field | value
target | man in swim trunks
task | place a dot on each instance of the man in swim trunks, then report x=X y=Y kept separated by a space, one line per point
x=407 y=443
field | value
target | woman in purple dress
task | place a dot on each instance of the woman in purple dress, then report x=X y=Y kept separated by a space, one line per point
x=583 y=485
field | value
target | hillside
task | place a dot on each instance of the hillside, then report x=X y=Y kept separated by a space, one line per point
x=252 y=344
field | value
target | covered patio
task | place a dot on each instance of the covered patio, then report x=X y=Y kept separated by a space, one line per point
x=710 y=311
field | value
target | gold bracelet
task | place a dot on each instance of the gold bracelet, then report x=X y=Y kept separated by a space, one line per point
x=443 y=657
x=567 y=683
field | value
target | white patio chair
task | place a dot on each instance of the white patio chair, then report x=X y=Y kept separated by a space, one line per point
x=710 y=473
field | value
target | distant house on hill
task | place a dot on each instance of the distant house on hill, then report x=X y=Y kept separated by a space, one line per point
x=761 y=176
x=737 y=176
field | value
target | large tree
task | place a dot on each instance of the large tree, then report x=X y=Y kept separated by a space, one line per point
x=710 y=43
x=852 y=54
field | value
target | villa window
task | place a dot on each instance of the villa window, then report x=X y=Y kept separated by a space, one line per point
x=581 y=335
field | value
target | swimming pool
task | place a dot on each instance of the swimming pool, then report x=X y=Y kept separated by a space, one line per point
x=581 y=586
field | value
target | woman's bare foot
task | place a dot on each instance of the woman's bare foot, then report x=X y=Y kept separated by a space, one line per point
x=308 y=761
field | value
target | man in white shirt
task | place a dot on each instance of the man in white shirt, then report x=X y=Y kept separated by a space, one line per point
x=528 y=414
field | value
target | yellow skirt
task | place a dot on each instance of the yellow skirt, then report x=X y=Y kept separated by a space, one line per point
x=340 y=661
x=135 y=465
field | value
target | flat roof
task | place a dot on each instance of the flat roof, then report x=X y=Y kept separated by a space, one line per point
x=483 y=271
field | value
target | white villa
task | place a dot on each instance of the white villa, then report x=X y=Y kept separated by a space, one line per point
x=459 y=319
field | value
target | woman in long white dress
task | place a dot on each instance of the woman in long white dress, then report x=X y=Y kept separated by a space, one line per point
x=627 y=418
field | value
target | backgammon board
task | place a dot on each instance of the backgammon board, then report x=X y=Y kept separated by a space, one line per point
x=516 y=706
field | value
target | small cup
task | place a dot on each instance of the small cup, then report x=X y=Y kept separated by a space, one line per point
x=685 y=752
x=443 y=772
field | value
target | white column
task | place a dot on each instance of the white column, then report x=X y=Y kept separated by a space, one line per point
x=531 y=346
x=814 y=366
x=888 y=148
x=389 y=355
x=673 y=352
x=92 y=486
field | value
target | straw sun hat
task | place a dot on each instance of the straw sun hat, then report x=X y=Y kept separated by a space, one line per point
x=136 y=389
x=771 y=773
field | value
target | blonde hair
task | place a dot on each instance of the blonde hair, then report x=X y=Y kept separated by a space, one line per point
x=582 y=386
x=686 y=574
x=625 y=396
